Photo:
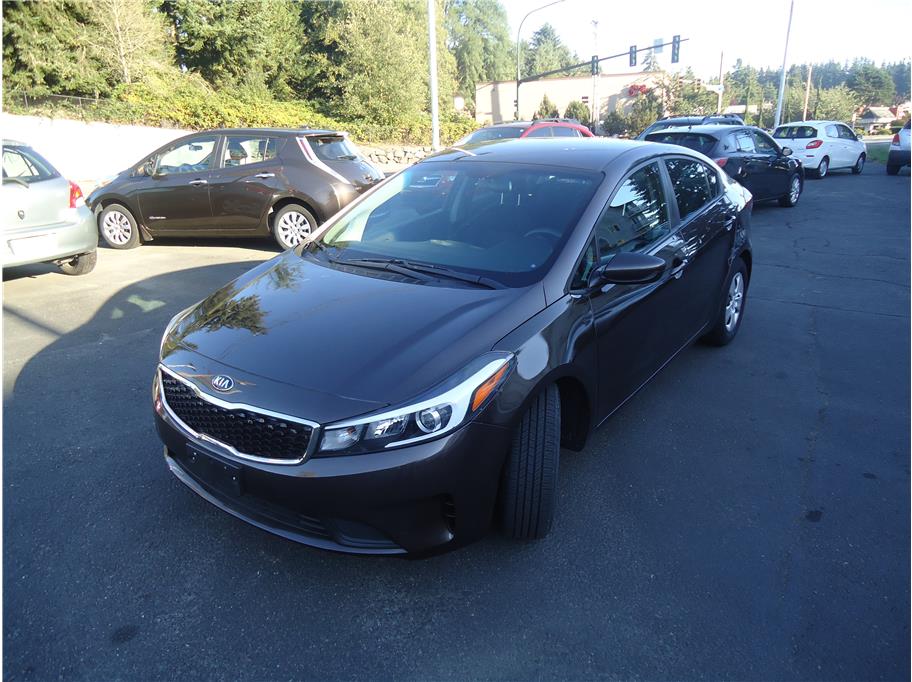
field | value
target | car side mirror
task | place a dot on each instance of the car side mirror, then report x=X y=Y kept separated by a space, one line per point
x=786 y=151
x=627 y=268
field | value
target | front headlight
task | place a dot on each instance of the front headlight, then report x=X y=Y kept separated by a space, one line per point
x=441 y=411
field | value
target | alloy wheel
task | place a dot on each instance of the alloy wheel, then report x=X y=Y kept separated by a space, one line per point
x=823 y=168
x=795 y=190
x=116 y=227
x=735 y=300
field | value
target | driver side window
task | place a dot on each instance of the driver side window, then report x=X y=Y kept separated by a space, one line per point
x=636 y=217
x=765 y=144
x=189 y=157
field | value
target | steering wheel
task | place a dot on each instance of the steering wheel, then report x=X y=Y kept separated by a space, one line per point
x=542 y=233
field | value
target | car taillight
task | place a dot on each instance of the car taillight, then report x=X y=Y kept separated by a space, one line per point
x=76 y=198
x=721 y=161
x=895 y=139
x=813 y=144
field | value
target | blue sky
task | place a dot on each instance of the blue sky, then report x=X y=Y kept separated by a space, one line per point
x=821 y=30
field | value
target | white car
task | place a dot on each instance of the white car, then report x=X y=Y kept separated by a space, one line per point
x=822 y=146
x=899 y=151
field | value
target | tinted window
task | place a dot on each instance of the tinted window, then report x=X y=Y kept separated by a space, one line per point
x=189 y=157
x=333 y=148
x=700 y=143
x=744 y=142
x=831 y=131
x=795 y=132
x=764 y=143
x=637 y=216
x=543 y=131
x=488 y=134
x=504 y=221
x=241 y=150
x=26 y=165
x=845 y=133
x=694 y=184
x=561 y=131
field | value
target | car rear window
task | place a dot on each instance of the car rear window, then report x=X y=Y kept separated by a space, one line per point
x=696 y=141
x=793 y=132
x=333 y=148
x=488 y=134
x=26 y=165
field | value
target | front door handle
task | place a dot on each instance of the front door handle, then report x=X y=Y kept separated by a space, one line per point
x=678 y=263
x=198 y=182
x=264 y=175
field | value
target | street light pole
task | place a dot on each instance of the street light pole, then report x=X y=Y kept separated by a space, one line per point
x=782 y=75
x=518 y=31
x=432 y=58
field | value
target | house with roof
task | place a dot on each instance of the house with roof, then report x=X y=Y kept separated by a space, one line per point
x=874 y=118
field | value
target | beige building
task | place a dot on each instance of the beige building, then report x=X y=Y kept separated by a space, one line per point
x=494 y=101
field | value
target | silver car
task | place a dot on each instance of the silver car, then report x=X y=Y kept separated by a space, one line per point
x=45 y=218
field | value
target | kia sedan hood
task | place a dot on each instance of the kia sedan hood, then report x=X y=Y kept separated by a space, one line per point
x=364 y=336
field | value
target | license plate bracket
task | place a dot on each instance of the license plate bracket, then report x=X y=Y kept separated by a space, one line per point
x=223 y=476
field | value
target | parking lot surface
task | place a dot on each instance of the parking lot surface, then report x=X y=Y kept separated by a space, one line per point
x=745 y=516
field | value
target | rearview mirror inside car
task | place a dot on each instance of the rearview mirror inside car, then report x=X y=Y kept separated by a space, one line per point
x=627 y=268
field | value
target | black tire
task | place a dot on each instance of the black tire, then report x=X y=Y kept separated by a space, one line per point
x=787 y=199
x=289 y=228
x=823 y=169
x=82 y=264
x=118 y=227
x=528 y=488
x=892 y=170
x=721 y=333
x=859 y=165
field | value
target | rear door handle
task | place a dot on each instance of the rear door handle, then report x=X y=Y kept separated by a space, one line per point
x=197 y=183
x=264 y=175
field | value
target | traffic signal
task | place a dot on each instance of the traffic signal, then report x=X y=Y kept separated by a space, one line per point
x=595 y=68
x=633 y=55
x=675 y=49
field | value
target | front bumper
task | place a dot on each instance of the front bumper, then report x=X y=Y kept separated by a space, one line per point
x=418 y=500
x=78 y=234
x=898 y=157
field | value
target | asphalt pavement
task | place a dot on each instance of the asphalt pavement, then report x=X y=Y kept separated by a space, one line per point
x=746 y=516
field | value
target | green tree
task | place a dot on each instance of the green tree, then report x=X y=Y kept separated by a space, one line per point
x=872 y=84
x=478 y=36
x=901 y=72
x=546 y=109
x=833 y=104
x=577 y=110
x=254 y=43
x=546 y=52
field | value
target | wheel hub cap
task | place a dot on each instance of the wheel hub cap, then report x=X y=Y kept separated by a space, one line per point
x=795 y=190
x=735 y=300
x=293 y=228
x=116 y=227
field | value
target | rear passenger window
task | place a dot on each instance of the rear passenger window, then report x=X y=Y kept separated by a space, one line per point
x=243 y=150
x=636 y=217
x=544 y=131
x=745 y=142
x=694 y=184
x=831 y=131
x=560 y=131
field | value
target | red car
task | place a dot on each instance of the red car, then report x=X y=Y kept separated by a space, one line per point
x=544 y=127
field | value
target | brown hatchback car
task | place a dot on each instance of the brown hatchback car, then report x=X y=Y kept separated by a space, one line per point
x=234 y=183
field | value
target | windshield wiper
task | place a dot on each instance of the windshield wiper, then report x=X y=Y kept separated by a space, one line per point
x=377 y=264
x=439 y=271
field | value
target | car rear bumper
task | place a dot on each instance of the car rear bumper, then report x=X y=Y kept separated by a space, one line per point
x=898 y=157
x=78 y=234
x=417 y=500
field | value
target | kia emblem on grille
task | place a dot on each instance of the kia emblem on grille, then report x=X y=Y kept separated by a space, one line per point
x=222 y=382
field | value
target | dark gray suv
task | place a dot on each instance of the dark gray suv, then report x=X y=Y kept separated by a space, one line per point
x=245 y=182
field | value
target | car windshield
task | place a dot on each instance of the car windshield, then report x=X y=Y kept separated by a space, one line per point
x=695 y=141
x=488 y=134
x=793 y=132
x=333 y=148
x=500 y=221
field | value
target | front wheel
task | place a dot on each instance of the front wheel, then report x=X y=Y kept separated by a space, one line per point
x=118 y=227
x=728 y=320
x=859 y=165
x=791 y=197
x=528 y=488
x=82 y=264
x=291 y=225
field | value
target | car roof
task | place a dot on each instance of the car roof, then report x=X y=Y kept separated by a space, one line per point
x=591 y=154
x=706 y=129
x=275 y=131
x=15 y=143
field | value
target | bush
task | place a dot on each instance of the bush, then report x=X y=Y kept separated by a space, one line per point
x=546 y=109
x=577 y=110
x=189 y=102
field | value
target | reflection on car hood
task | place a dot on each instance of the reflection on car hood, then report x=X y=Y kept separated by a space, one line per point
x=361 y=336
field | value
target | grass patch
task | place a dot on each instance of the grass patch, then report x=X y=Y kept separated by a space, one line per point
x=878 y=151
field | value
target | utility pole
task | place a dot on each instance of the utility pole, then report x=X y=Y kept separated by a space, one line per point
x=788 y=30
x=721 y=86
x=518 y=31
x=807 y=93
x=594 y=113
x=432 y=58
